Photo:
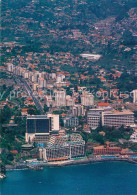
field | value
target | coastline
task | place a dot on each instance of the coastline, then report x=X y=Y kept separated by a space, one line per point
x=89 y=161
x=72 y=162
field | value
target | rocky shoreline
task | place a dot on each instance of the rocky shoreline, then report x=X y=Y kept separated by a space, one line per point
x=2 y=176
x=88 y=161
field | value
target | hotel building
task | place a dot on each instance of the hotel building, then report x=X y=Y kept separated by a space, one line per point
x=63 y=148
x=39 y=127
x=109 y=118
x=117 y=118
x=94 y=117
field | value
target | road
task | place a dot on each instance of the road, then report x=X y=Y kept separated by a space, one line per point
x=23 y=83
x=30 y=92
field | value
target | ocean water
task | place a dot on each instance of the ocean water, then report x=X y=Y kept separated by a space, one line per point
x=107 y=178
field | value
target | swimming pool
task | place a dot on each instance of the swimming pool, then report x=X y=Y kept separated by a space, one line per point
x=34 y=163
x=133 y=156
x=108 y=156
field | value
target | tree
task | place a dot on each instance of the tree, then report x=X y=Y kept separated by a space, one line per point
x=6 y=114
x=98 y=138
x=61 y=122
x=33 y=110
x=128 y=38
x=4 y=87
x=79 y=99
x=10 y=157
x=135 y=114
x=46 y=109
x=76 y=88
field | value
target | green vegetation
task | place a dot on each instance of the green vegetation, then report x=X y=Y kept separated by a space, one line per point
x=110 y=134
x=33 y=110
x=11 y=137
x=46 y=109
x=126 y=83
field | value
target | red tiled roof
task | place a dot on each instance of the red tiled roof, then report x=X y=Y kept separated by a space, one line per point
x=103 y=104
x=14 y=151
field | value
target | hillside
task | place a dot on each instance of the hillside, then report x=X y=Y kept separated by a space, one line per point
x=106 y=27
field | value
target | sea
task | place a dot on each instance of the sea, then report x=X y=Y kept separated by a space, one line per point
x=106 y=178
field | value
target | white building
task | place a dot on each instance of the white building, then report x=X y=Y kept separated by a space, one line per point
x=10 y=67
x=52 y=75
x=19 y=70
x=35 y=76
x=30 y=74
x=49 y=101
x=133 y=137
x=117 y=119
x=87 y=99
x=70 y=101
x=94 y=117
x=134 y=92
x=41 y=82
x=26 y=74
x=35 y=86
x=109 y=118
x=60 y=78
x=54 y=122
x=78 y=110
x=60 y=98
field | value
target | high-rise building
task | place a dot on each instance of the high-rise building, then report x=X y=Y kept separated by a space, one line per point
x=71 y=121
x=39 y=127
x=87 y=99
x=54 y=122
x=35 y=86
x=60 y=98
x=49 y=101
x=69 y=101
x=78 y=110
x=10 y=67
x=134 y=92
x=41 y=82
x=26 y=74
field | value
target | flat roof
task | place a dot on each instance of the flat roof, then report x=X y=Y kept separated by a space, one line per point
x=125 y=112
x=37 y=117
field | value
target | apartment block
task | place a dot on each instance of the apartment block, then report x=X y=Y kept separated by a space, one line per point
x=71 y=121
